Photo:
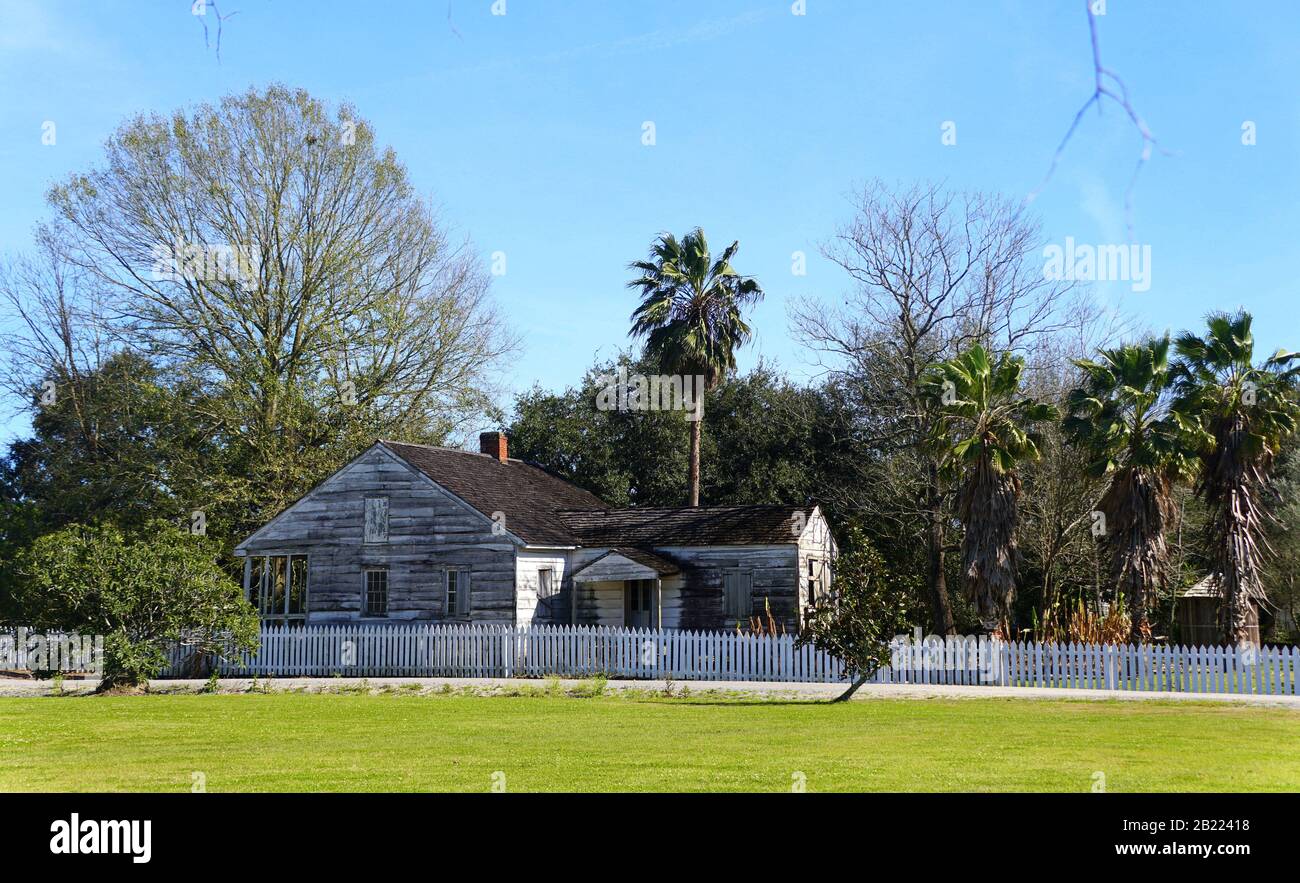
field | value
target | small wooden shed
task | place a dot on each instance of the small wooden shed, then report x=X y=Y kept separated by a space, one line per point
x=1198 y=615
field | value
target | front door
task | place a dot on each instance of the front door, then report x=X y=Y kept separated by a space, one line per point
x=638 y=603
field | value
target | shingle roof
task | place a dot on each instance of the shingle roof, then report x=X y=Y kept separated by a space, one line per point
x=657 y=563
x=703 y=526
x=529 y=496
x=543 y=509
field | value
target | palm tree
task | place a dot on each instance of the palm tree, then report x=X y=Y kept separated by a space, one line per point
x=691 y=317
x=1240 y=414
x=1121 y=417
x=984 y=432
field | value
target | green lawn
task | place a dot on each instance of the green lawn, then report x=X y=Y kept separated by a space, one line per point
x=300 y=742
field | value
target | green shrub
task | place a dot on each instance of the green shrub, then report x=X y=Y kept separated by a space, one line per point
x=143 y=593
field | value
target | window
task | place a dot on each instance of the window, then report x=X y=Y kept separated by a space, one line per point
x=816 y=583
x=297 y=600
x=545 y=591
x=738 y=590
x=276 y=578
x=457 y=593
x=376 y=519
x=640 y=597
x=376 y=599
x=255 y=569
x=277 y=586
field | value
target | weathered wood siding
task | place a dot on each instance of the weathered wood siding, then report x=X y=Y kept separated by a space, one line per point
x=693 y=599
x=699 y=601
x=670 y=601
x=600 y=603
x=817 y=543
x=428 y=530
x=604 y=603
x=527 y=565
x=614 y=568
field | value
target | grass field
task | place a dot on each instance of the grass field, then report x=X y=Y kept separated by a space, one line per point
x=396 y=742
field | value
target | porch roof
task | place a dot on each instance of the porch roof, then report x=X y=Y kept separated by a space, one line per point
x=624 y=564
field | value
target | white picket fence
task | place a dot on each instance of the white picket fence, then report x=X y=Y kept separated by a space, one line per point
x=433 y=650
x=1153 y=667
x=480 y=651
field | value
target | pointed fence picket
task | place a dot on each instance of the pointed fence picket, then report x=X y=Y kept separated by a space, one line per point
x=482 y=650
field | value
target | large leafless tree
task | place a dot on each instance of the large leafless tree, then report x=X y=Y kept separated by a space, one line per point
x=932 y=272
x=269 y=247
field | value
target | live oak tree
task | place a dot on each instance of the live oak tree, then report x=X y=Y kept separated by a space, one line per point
x=692 y=318
x=272 y=251
x=120 y=440
x=626 y=458
x=761 y=445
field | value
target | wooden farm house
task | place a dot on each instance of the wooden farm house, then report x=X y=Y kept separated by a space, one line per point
x=416 y=533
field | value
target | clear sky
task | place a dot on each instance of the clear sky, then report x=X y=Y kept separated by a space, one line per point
x=526 y=128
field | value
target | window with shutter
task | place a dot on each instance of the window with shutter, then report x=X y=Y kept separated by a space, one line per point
x=816 y=585
x=376 y=519
x=457 y=587
x=738 y=590
x=545 y=592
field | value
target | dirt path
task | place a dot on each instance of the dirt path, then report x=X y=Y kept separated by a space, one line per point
x=739 y=689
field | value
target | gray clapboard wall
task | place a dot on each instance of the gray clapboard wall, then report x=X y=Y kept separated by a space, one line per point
x=528 y=565
x=694 y=598
x=429 y=531
x=773 y=571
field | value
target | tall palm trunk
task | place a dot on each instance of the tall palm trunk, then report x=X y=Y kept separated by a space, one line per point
x=989 y=553
x=1138 y=505
x=697 y=434
x=1237 y=520
x=1238 y=585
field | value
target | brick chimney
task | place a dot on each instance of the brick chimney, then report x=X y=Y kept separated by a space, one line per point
x=493 y=444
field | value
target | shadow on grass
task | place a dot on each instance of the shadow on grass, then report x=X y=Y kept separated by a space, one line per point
x=715 y=701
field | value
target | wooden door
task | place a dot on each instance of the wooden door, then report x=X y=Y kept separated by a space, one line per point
x=638 y=603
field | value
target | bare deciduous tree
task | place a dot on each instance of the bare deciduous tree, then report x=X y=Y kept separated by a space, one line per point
x=60 y=335
x=933 y=272
x=277 y=253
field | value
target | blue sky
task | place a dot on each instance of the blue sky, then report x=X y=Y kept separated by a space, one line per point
x=526 y=129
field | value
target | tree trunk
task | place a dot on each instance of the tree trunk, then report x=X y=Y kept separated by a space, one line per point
x=937 y=583
x=1234 y=614
x=697 y=427
x=853 y=688
x=1049 y=594
x=1235 y=581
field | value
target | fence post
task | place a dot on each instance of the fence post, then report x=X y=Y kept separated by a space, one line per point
x=508 y=651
